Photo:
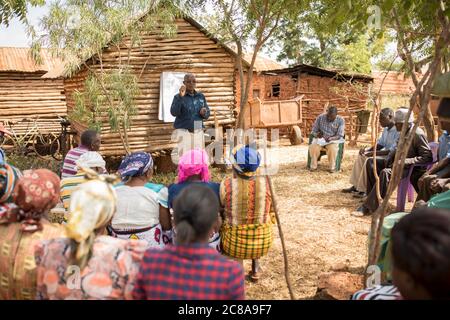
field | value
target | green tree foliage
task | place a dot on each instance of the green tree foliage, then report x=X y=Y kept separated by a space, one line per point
x=78 y=31
x=10 y=9
x=248 y=25
x=320 y=37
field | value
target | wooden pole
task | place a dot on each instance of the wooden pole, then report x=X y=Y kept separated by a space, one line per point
x=280 y=231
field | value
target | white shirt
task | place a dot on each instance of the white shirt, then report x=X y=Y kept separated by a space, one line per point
x=138 y=207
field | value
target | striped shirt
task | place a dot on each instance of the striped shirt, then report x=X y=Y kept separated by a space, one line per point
x=329 y=128
x=69 y=166
x=68 y=185
x=379 y=292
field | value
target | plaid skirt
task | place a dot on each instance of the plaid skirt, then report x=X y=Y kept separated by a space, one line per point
x=249 y=241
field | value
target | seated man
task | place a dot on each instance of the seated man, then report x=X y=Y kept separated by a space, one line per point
x=418 y=153
x=385 y=144
x=90 y=160
x=433 y=181
x=328 y=130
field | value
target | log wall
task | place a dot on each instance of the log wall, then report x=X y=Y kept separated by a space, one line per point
x=26 y=97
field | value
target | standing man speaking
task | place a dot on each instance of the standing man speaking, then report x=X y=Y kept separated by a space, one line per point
x=189 y=108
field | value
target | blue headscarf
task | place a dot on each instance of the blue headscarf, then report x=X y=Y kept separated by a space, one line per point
x=135 y=164
x=246 y=160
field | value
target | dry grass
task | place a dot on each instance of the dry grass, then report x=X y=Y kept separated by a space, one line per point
x=320 y=232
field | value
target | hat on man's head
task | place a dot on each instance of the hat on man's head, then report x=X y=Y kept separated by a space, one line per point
x=4 y=130
x=400 y=115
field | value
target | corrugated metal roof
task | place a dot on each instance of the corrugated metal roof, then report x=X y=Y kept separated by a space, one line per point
x=321 y=72
x=262 y=63
x=18 y=60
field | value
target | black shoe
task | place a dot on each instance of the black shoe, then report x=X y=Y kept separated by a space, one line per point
x=349 y=190
x=365 y=211
x=360 y=195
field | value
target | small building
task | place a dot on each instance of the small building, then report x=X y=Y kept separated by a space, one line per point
x=31 y=96
x=192 y=49
x=319 y=88
x=397 y=88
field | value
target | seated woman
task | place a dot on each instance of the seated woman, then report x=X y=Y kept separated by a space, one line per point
x=193 y=170
x=246 y=231
x=190 y=269
x=23 y=225
x=420 y=256
x=90 y=160
x=142 y=211
x=88 y=264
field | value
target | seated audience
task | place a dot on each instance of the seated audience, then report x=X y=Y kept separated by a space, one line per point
x=434 y=180
x=90 y=141
x=190 y=269
x=87 y=264
x=418 y=153
x=421 y=259
x=22 y=225
x=386 y=143
x=90 y=160
x=193 y=170
x=246 y=231
x=142 y=211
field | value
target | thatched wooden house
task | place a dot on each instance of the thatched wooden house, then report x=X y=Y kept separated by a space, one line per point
x=191 y=50
x=319 y=88
x=31 y=96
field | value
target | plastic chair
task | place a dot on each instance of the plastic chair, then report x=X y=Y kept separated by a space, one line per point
x=405 y=187
x=323 y=151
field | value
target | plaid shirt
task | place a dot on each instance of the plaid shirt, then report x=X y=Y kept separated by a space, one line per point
x=329 y=129
x=188 y=272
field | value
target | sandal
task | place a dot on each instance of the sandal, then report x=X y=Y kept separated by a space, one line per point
x=253 y=277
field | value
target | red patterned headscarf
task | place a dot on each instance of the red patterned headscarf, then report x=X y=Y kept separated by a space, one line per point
x=35 y=193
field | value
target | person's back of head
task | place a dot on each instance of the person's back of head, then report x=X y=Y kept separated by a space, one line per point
x=444 y=108
x=443 y=112
x=91 y=140
x=195 y=212
x=421 y=254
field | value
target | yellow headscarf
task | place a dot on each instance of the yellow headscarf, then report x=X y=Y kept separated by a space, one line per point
x=92 y=206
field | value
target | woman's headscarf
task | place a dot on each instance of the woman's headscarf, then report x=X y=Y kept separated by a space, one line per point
x=9 y=176
x=245 y=160
x=91 y=159
x=135 y=164
x=35 y=193
x=92 y=206
x=193 y=162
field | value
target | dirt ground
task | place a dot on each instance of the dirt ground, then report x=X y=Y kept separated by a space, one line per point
x=319 y=231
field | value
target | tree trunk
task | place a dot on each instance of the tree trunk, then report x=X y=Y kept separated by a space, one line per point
x=428 y=123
